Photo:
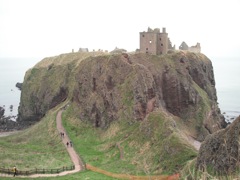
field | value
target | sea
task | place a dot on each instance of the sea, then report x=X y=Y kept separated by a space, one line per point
x=12 y=70
x=226 y=72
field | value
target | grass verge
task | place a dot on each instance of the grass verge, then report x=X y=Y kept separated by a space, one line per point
x=37 y=147
x=149 y=147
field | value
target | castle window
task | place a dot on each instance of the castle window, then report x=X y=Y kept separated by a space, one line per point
x=146 y=48
x=150 y=41
x=160 y=39
x=143 y=35
x=161 y=44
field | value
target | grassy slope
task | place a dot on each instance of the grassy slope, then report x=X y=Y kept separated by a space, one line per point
x=149 y=147
x=152 y=146
x=85 y=175
x=37 y=147
x=40 y=147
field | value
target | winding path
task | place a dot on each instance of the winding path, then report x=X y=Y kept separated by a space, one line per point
x=80 y=166
x=72 y=153
x=74 y=156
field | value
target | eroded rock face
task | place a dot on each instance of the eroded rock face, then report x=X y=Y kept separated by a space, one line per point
x=123 y=86
x=112 y=88
x=43 y=89
x=220 y=150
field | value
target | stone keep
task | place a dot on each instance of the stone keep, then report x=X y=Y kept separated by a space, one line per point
x=154 y=42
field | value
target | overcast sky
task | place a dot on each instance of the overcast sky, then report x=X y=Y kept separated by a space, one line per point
x=40 y=28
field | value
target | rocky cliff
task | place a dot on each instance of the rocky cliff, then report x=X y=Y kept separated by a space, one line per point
x=220 y=151
x=106 y=88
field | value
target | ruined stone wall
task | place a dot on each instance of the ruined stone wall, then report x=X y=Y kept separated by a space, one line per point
x=162 y=46
x=154 y=42
x=148 y=42
x=196 y=49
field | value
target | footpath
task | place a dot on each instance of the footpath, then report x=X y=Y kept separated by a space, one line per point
x=80 y=166
x=72 y=153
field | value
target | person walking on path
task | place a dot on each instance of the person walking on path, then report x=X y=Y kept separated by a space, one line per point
x=71 y=144
x=14 y=171
x=62 y=134
x=67 y=144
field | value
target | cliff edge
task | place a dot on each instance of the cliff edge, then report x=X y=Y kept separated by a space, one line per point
x=107 y=88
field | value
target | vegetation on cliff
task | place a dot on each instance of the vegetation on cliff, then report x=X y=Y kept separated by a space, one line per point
x=136 y=111
x=37 y=147
x=108 y=87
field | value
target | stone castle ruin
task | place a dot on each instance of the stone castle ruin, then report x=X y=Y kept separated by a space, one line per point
x=196 y=48
x=153 y=42
x=156 y=43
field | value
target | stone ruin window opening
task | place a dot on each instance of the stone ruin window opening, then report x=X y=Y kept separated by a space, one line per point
x=146 y=48
x=150 y=41
x=160 y=39
x=161 y=44
x=143 y=35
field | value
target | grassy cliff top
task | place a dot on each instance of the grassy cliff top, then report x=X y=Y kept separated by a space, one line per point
x=79 y=56
x=67 y=58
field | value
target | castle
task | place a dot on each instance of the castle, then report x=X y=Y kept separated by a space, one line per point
x=196 y=48
x=156 y=42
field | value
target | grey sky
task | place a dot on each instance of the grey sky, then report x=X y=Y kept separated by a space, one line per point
x=40 y=28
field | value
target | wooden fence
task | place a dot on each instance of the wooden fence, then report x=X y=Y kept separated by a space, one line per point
x=37 y=171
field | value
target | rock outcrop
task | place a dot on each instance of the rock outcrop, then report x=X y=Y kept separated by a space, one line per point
x=106 y=88
x=19 y=86
x=220 y=151
x=6 y=124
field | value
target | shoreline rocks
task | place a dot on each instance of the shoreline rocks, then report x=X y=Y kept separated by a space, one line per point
x=8 y=124
x=19 y=86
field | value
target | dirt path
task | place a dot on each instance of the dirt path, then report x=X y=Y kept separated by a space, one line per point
x=79 y=165
x=72 y=153
x=3 y=134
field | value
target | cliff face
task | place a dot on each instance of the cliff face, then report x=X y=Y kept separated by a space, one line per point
x=220 y=151
x=106 y=88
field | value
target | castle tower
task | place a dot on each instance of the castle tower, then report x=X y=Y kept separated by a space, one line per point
x=162 y=42
x=154 y=42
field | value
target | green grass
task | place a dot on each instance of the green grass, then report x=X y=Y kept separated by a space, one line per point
x=85 y=175
x=37 y=147
x=149 y=147
x=40 y=147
